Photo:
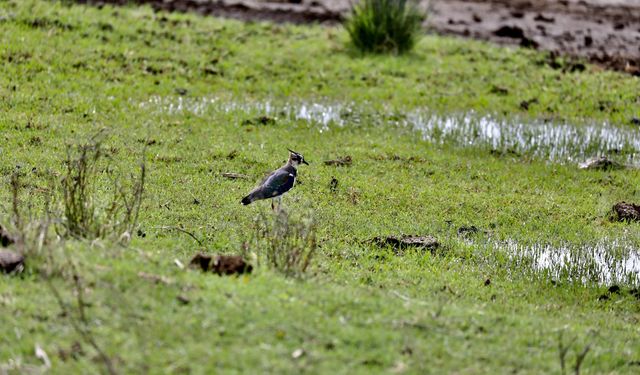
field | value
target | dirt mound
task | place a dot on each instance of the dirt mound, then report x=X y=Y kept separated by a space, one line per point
x=602 y=163
x=340 y=161
x=221 y=264
x=399 y=243
x=605 y=32
x=11 y=261
x=626 y=211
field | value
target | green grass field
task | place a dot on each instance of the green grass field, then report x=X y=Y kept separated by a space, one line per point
x=193 y=89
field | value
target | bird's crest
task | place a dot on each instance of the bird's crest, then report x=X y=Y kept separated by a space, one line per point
x=297 y=157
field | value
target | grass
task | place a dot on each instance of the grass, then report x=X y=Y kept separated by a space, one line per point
x=69 y=71
x=384 y=26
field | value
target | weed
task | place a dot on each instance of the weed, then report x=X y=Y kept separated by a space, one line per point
x=288 y=242
x=33 y=240
x=563 y=350
x=29 y=230
x=383 y=26
x=76 y=311
x=84 y=216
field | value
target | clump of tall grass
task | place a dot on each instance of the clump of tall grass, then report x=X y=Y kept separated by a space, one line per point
x=92 y=200
x=87 y=213
x=385 y=26
x=287 y=243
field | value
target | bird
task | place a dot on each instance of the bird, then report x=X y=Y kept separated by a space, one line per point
x=277 y=182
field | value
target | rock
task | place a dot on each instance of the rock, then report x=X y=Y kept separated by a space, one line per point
x=298 y=353
x=602 y=163
x=402 y=242
x=221 y=264
x=11 y=261
x=340 y=162
x=626 y=211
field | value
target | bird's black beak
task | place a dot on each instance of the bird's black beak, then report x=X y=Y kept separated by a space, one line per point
x=304 y=162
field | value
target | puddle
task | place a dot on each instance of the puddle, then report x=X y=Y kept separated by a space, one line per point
x=607 y=262
x=557 y=142
x=546 y=140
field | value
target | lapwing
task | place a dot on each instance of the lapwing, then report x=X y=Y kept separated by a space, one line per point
x=277 y=182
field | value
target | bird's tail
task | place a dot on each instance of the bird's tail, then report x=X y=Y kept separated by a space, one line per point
x=246 y=200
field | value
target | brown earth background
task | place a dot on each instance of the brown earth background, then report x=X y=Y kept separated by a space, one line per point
x=605 y=32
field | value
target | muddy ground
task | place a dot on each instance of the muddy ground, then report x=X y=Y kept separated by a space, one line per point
x=606 y=32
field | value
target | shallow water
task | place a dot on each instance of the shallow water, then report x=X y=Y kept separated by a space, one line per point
x=605 y=262
x=556 y=142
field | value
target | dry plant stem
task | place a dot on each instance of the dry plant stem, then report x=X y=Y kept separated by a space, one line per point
x=183 y=231
x=81 y=324
x=15 y=192
x=138 y=193
x=289 y=243
x=563 y=350
x=580 y=358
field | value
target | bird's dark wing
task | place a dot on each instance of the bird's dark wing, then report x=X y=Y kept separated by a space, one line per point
x=267 y=177
x=279 y=182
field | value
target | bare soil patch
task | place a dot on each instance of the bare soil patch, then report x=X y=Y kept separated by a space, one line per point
x=221 y=264
x=605 y=32
x=626 y=211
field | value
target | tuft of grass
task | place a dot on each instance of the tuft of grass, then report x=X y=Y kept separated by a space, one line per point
x=84 y=215
x=385 y=26
x=287 y=242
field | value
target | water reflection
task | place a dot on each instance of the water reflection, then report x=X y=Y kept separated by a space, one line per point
x=559 y=142
x=606 y=262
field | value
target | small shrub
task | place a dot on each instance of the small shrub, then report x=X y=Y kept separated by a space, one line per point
x=382 y=26
x=288 y=243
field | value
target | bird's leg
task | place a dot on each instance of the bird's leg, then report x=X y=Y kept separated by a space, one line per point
x=273 y=206
x=279 y=202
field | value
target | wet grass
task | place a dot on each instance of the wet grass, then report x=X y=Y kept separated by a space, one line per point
x=70 y=71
